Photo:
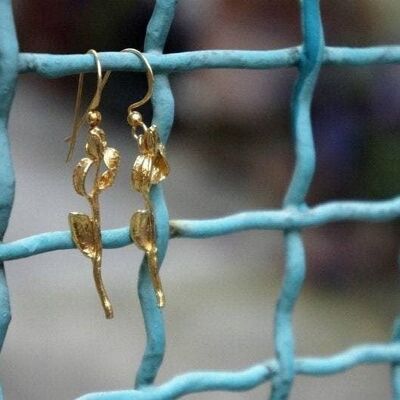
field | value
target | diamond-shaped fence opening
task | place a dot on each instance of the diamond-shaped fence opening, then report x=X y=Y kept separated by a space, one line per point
x=292 y=218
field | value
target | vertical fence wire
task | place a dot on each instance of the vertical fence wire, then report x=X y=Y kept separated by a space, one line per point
x=291 y=219
x=396 y=365
x=295 y=266
x=8 y=78
x=163 y=116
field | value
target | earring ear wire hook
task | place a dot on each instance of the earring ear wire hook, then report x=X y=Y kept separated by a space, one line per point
x=94 y=103
x=101 y=82
x=149 y=76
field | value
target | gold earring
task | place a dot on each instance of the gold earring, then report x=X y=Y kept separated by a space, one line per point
x=150 y=168
x=85 y=230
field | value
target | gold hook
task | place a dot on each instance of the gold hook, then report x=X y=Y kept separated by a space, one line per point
x=149 y=76
x=78 y=121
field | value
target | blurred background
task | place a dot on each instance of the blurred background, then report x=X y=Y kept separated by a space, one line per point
x=230 y=150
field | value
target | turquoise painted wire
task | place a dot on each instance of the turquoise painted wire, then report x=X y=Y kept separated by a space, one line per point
x=289 y=218
x=295 y=265
x=294 y=216
x=396 y=365
x=163 y=116
x=8 y=78
x=56 y=66
x=206 y=381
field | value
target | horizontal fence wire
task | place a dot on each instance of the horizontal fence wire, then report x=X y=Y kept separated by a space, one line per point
x=56 y=66
x=289 y=218
x=294 y=216
x=252 y=377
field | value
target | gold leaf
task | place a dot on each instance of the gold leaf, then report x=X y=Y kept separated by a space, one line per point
x=142 y=144
x=112 y=160
x=96 y=143
x=160 y=168
x=141 y=173
x=149 y=140
x=82 y=231
x=142 y=230
x=79 y=175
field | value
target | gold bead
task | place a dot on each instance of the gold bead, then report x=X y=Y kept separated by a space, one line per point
x=94 y=118
x=135 y=119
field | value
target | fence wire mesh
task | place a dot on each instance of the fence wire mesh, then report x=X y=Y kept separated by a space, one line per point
x=294 y=216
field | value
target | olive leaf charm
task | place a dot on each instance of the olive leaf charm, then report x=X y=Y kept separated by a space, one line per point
x=150 y=168
x=85 y=230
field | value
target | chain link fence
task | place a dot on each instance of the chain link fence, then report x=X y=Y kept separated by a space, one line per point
x=291 y=219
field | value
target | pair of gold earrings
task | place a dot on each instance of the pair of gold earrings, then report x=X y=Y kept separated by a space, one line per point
x=149 y=168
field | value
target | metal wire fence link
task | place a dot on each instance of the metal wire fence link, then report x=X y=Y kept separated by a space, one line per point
x=294 y=216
